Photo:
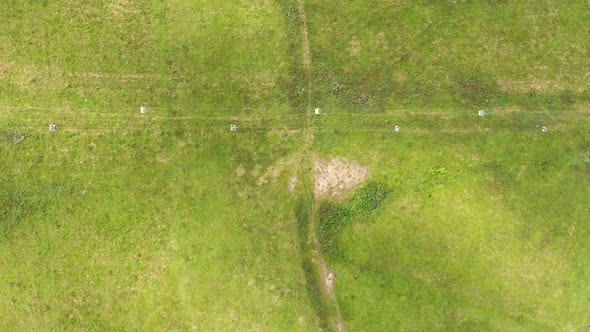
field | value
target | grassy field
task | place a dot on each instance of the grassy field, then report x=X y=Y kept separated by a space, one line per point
x=482 y=230
x=159 y=222
x=377 y=55
x=169 y=221
x=486 y=224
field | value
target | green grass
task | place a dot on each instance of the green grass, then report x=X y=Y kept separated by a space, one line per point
x=383 y=55
x=303 y=214
x=184 y=56
x=148 y=228
x=168 y=221
x=484 y=230
x=160 y=222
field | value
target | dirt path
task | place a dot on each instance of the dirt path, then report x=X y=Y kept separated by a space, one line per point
x=304 y=36
x=326 y=277
x=306 y=58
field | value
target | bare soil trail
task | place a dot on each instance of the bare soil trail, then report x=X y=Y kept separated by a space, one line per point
x=326 y=277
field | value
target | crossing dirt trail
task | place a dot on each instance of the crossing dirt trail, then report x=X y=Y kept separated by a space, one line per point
x=326 y=277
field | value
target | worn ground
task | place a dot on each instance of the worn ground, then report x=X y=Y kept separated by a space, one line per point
x=337 y=176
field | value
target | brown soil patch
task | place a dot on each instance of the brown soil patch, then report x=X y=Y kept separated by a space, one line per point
x=523 y=86
x=381 y=41
x=336 y=177
x=582 y=108
x=4 y=69
x=293 y=183
x=273 y=172
x=123 y=8
x=240 y=171
x=354 y=48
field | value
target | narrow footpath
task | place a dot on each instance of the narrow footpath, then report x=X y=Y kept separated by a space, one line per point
x=325 y=278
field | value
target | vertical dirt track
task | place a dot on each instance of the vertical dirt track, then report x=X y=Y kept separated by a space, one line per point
x=335 y=321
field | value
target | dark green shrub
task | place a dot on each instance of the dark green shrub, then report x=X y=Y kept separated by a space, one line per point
x=368 y=198
x=13 y=137
x=333 y=217
x=567 y=97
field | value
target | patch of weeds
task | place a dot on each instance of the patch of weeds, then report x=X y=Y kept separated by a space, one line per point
x=14 y=207
x=323 y=139
x=535 y=99
x=551 y=102
x=253 y=152
x=368 y=198
x=497 y=2
x=13 y=137
x=498 y=176
x=436 y=175
x=437 y=171
x=290 y=13
x=19 y=201
x=476 y=88
x=567 y=98
x=296 y=82
x=333 y=217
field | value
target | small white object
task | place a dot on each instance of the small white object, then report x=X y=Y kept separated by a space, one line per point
x=318 y=111
x=52 y=127
x=544 y=129
x=143 y=110
x=481 y=113
x=397 y=128
x=233 y=127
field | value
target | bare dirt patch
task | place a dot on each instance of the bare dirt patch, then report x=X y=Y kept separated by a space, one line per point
x=5 y=69
x=336 y=177
x=121 y=9
x=354 y=48
x=240 y=171
x=293 y=183
x=273 y=172
x=533 y=85
x=381 y=41
x=582 y=108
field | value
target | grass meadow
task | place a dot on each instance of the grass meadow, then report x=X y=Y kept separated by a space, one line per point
x=481 y=230
x=169 y=221
x=486 y=224
x=117 y=221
